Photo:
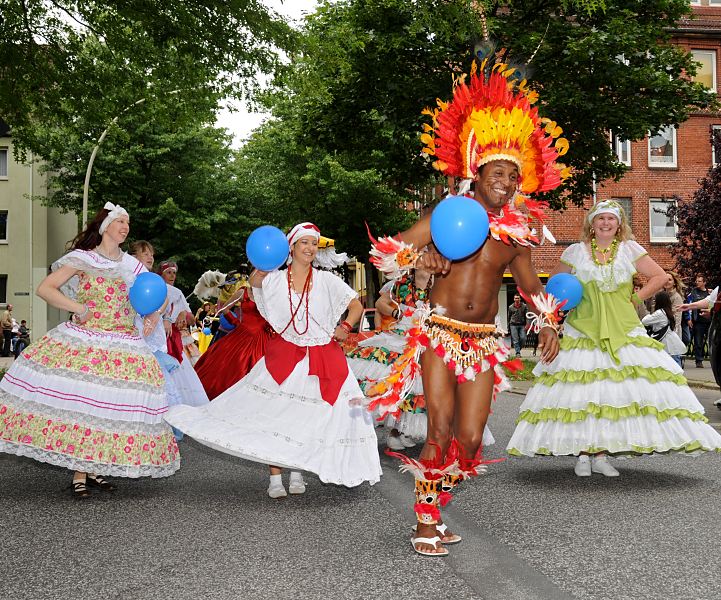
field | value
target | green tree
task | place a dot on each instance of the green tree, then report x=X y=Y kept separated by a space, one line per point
x=366 y=68
x=173 y=177
x=63 y=61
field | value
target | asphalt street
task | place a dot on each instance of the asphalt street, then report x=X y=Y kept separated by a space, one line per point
x=532 y=530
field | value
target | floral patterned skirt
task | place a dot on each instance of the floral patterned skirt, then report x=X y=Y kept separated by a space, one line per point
x=88 y=400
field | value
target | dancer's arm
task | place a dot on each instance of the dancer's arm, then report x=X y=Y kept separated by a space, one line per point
x=355 y=311
x=655 y=275
x=49 y=290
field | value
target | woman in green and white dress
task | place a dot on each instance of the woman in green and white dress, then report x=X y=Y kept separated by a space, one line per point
x=612 y=390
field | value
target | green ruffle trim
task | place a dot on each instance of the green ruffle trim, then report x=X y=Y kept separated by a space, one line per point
x=690 y=447
x=569 y=343
x=652 y=374
x=612 y=413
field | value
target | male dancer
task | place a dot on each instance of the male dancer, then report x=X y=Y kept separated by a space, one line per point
x=462 y=372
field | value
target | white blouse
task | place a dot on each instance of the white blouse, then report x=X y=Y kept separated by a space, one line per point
x=328 y=299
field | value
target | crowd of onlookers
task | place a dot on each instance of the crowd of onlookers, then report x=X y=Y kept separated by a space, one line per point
x=16 y=336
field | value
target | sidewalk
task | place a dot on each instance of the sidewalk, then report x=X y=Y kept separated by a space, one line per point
x=697 y=378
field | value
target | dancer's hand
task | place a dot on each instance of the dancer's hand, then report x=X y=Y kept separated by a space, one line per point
x=168 y=326
x=149 y=323
x=434 y=263
x=548 y=344
x=340 y=334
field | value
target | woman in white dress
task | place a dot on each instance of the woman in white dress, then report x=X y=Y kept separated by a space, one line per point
x=611 y=389
x=176 y=318
x=300 y=407
x=662 y=323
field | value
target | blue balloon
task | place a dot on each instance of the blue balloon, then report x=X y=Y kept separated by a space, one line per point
x=206 y=330
x=225 y=324
x=148 y=293
x=459 y=227
x=565 y=286
x=267 y=248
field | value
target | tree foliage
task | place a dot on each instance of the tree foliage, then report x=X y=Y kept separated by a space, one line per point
x=366 y=68
x=62 y=60
x=699 y=236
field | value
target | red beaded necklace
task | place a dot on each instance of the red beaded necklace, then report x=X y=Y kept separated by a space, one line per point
x=294 y=310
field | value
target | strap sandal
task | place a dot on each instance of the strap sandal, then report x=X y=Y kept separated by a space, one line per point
x=431 y=542
x=441 y=528
x=80 y=490
x=101 y=483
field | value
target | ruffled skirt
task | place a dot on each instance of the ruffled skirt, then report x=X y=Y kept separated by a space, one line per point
x=90 y=401
x=289 y=425
x=586 y=402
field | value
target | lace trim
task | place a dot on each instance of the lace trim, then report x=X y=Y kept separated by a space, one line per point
x=299 y=397
x=87 y=466
x=71 y=334
x=92 y=264
x=43 y=411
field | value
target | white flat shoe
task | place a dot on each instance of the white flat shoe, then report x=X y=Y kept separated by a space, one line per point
x=277 y=491
x=394 y=443
x=406 y=441
x=296 y=485
x=583 y=466
x=601 y=465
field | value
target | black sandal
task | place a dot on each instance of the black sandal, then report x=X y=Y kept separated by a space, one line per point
x=80 y=490
x=101 y=483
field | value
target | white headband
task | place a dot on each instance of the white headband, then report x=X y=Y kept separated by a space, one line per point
x=302 y=230
x=608 y=206
x=116 y=211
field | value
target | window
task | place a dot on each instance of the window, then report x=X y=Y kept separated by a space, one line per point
x=3 y=226
x=3 y=163
x=3 y=289
x=706 y=72
x=622 y=149
x=661 y=226
x=662 y=148
x=716 y=130
x=626 y=204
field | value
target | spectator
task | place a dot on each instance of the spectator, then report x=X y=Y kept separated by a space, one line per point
x=700 y=319
x=6 y=322
x=23 y=339
x=201 y=313
x=517 y=323
x=661 y=326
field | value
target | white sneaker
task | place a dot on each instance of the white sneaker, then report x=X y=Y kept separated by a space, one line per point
x=717 y=403
x=601 y=465
x=406 y=441
x=394 y=442
x=276 y=490
x=296 y=485
x=583 y=466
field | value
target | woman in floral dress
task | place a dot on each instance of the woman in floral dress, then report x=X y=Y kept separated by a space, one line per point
x=89 y=396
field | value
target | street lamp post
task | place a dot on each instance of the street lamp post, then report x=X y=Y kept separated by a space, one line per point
x=94 y=153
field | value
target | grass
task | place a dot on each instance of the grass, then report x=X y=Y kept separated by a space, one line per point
x=525 y=374
x=2 y=373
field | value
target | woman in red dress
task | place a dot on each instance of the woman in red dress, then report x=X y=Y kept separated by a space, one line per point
x=230 y=359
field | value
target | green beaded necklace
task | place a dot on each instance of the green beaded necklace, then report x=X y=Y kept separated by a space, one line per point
x=613 y=248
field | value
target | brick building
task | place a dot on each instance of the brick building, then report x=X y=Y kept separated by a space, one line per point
x=667 y=163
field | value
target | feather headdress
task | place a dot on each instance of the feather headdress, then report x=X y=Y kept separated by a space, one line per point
x=492 y=118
